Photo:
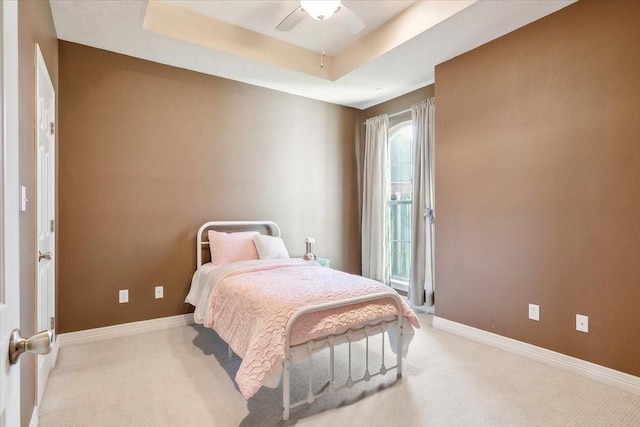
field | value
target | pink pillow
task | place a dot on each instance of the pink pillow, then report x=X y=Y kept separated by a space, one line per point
x=231 y=247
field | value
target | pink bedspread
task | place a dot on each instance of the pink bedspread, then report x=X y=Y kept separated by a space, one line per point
x=250 y=307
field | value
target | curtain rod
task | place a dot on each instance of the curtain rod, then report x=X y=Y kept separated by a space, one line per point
x=390 y=115
x=399 y=112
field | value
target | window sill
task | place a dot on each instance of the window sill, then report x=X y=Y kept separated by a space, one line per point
x=399 y=285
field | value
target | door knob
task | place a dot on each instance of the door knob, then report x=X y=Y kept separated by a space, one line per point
x=46 y=255
x=40 y=343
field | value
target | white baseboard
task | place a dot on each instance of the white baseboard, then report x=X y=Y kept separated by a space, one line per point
x=55 y=351
x=123 y=330
x=581 y=367
x=35 y=417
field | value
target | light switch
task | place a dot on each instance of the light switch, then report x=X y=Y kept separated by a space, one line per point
x=23 y=198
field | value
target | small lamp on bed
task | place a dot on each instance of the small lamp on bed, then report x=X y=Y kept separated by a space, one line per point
x=308 y=254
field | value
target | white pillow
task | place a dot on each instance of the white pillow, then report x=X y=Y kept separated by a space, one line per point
x=270 y=247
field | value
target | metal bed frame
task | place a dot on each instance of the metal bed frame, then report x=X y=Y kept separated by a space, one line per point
x=314 y=345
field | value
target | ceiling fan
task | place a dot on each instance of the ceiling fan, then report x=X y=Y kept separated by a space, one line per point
x=321 y=10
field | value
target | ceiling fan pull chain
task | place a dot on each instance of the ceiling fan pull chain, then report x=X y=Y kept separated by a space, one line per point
x=322 y=53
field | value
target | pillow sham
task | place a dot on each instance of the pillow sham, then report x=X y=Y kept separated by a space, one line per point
x=231 y=247
x=270 y=247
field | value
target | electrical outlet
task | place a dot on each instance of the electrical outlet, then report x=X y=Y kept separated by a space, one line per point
x=123 y=295
x=534 y=312
x=582 y=323
x=159 y=292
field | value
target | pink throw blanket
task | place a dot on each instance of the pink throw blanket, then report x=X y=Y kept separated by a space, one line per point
x=250 y=307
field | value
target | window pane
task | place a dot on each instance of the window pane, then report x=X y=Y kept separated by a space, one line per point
x=400 y=191
x=400 y=240
x=400 y=163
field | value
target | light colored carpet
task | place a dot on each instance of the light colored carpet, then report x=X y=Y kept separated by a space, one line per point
x=181 y=376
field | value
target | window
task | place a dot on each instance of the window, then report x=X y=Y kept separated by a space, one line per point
x=400 y=173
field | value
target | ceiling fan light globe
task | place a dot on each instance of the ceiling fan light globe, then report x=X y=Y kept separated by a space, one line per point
x=320 y=9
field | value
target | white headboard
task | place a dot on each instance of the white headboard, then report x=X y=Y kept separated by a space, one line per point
x=202 y=240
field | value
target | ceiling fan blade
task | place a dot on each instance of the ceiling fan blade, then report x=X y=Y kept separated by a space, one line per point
x=354 y=24
x=293 y=19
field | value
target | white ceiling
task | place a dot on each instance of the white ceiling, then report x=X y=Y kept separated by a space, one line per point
x=397 y=69
x=263 y=16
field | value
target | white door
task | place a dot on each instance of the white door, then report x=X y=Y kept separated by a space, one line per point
x=9 y=215
x=45 y=133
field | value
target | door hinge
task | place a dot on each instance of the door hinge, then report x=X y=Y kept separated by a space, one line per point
x=52 y=128
x=53 y=323
x=53 y=225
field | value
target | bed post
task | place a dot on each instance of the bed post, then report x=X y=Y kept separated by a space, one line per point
x=286 y=380
x=399 y=350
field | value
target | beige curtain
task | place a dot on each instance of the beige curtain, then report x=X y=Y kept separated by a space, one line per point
x=374 y=199
x=421 y=281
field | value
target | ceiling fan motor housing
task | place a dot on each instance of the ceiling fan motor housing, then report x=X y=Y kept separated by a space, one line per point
x=320 y=9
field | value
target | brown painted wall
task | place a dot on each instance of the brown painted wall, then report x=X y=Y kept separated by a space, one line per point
x=35 y=25
x=538 y=183
x=148 y=152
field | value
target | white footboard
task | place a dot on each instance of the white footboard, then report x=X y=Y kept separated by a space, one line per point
x=349 y=336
